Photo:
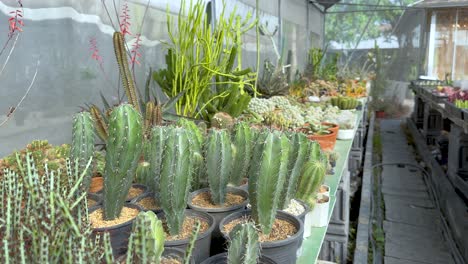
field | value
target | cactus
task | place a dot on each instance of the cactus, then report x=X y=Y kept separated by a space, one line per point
x=146 y=242
x=218 y=163
x=222 y=120
x=176 y=176
x=300 y=148
x=124 y=147
x=312 y=176
x=191 y=245
x=244 y=247
x=100 y=122
x=267 y=175
x=82 y=147
x=125 y=74
x=153 y=154
x=243 y=141
x=143 y=173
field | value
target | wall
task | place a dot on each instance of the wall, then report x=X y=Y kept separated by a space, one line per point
x=56 y=42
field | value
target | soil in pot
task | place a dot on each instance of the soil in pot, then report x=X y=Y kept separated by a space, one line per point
x=281 y=230
x=119 y=229
x=298 y=209
x=187 y=227
x=169 y=256
x=148 y=203
x=324 y=189
x=96 y=185
x=135 y=191
x=222 y=259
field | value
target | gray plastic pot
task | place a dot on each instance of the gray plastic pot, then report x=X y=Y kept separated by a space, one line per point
x=95 y=197
x=303 y=214
x=119 y=234
x=138 y=186
x=201 y=250
x=283 y=251
x=172 y=253
x=141 y=197
x=222 y=259
x=220 y=213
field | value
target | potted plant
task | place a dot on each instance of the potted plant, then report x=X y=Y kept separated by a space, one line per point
x=124 y=146
x=175 y=160
x=322 y=134
x=243 y=248
x=243 y=141
x=267 y=173
x=346 y=131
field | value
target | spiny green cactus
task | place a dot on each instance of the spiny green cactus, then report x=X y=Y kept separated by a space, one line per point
x=125 y=74
x=100 y=122
x=218 y=163
x=244 y=247
x=191 y=245
x=153 y=154
x=267 y=175
x=124 y=147
x=222 y=120
x=143 y=173
x=82 y=147
x=312 y=176
x=243 y=141
x=300 y=148
x=176 y=176
x=146 y=242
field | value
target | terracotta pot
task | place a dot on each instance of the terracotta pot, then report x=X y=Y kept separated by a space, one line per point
x=380 y=114
x=326 y=142
x=97 y=183
x=334 y=128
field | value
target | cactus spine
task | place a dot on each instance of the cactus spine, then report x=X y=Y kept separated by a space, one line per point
x=300 y=148
x=82 y=146
x=244 y=247
x=147 y=239
x=176 y=176
x=218 y=163
x=243 y=143
x=312 y=176
x=124 y=147
x=125 y=74
x=154 y=155
x=196 y=141
x=267 y=176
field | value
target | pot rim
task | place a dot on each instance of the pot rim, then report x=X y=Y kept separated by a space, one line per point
x=233 y=190
x=306 y=208
x=210 y=219
x=101 y=229
x=279 y=215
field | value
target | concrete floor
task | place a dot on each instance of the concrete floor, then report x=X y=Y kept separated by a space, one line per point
x=413 y=232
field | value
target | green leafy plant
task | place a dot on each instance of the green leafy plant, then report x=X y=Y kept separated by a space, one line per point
x=124 y=146
x=267 y=176
x=82 y=147
x=244 y=247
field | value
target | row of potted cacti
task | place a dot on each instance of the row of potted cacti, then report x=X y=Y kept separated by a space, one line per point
x=276 y=164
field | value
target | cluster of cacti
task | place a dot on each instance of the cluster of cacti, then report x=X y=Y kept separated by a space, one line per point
x=43 y=153
x=82 y=146
x=243 y=140
x=301 y=148
x=218 y=158
x=43 y=219
x=124 y=146
x=312 y=177
x=344 y=103
x=146 y=242
x=267 y=174
x=277 y=111
x=244 y=247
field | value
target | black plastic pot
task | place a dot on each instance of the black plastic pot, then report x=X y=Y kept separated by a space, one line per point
x=303 y=214
x=138 y=186
x=222 y=259
x=119 y=234
x=95 y=197
x=283 y=251
x=141 y=197
x=201 y=249
x=172 y=253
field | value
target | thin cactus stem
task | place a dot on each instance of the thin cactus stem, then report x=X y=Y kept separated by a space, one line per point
x=191 y=245
x=100 y=123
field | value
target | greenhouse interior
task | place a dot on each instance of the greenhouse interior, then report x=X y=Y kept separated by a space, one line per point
x=234 y=131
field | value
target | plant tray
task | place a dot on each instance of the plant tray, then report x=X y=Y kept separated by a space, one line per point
x=437 y=98
x=453 y=110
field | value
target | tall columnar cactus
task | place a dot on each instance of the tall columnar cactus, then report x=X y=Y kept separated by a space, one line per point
x=196 y=141
x=146 y=242
x=82 y=147
x=218 y=163
x=176 y=176
x=312 y=176
x=124 y=147
x=125 y=74
x=243 y=141
x=267 y=175
x=244 y=247
x=154 y=154
x=143 y=173
x=300 y=150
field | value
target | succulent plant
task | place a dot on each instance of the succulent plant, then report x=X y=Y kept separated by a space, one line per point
x=82 y=147
x=176 y=176
x=312 y=177
x=222 y=120
x=153 y=155
x=243 y=142
x=267 y=175
x=219 y=157
x=300 y=150
x=344 y=103
x=143 y=174
x=124 y=146
x=273 y=80
x=243 y=247
x=146 y=242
